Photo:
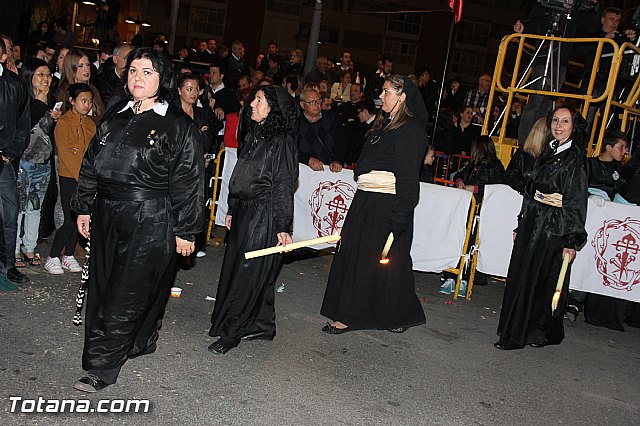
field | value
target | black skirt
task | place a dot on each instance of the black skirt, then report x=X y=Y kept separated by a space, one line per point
x=245 y=297
x=132 y=268
x=361 y=292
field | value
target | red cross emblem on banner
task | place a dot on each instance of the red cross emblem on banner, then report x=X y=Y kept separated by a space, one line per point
x=616 y=248
x=329 y=203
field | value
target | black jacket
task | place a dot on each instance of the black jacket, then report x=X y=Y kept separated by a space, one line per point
x=323 y=139
x=15 y=121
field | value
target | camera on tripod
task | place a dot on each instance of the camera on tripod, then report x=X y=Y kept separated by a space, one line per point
x=569 y=6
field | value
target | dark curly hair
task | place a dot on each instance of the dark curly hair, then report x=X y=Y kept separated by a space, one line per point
x=283 y=117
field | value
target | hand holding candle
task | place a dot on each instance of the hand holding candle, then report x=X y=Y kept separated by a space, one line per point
x=563 y=273
x=385 y=251
x=280 y=249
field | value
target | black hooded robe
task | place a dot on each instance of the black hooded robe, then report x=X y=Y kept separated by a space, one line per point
x=543 y=232
x=141 y=180
x=261 y=206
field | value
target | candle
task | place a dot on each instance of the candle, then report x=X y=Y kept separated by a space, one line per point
x=280 y=249
x=563 y=273
x=385 y=251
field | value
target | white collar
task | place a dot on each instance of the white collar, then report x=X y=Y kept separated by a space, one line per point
x=1 y=70
x=217 y=89
x=236 y=58
x=565 y=146
x=370 y=120
x=160 y=108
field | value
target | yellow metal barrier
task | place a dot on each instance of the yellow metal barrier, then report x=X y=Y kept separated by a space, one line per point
x=212 y=215
x=473 y=210
x=630 y=110
x=515 y=87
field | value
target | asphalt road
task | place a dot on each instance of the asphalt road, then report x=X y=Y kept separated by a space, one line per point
x=446 y=372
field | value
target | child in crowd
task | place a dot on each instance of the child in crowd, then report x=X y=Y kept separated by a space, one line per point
x=73 y=133
x=426 y=171
x=484 y=168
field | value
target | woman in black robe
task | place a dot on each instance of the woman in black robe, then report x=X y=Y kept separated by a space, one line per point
x=260 y=215
x=361 y=292
x=141 y=182
x=546 y=231
x=524 y=159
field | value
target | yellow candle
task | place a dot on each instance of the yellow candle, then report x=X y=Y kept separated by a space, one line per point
x=280 y=249
x=385 y=251
x=563 y=273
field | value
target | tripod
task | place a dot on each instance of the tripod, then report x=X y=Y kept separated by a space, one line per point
x=551 y=76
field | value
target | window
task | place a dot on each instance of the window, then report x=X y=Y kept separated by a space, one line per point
x=361 y=40
x=290 y=7
x=206 y=21
x=467 y=63
x=473 y=33
x=406 y=23
x=400 y=53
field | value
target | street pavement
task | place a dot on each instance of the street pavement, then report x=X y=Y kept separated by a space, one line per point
x=446 y=372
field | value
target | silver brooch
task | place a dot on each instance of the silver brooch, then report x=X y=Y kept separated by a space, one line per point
x=375 y=139
x=152 y=137
x=615 y=175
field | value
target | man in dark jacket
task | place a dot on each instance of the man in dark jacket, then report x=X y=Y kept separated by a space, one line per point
x=109 y=82
x=322 y=139
x=14 y=136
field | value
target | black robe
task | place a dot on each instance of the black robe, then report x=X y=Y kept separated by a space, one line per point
x=543 y=232
x=261 y=206
x=489 y=173
x=361 y=292
x=519 y=169
x=141 y=180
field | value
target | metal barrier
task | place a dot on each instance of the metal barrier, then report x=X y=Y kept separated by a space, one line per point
x=216 y=178
x=517 y=85
x=447 y=164
x=473 y=211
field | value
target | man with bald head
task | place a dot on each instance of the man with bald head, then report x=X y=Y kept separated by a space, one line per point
x=322 y=140
x=109 y=81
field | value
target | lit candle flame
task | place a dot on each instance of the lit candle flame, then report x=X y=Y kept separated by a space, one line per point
x=385 y=251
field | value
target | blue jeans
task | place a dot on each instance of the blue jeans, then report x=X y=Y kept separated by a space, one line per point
x=33 y=180
x=8 y=217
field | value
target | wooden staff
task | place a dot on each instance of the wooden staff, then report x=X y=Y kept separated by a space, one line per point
x=563 y=273
x=385 y=251
x=300 y=244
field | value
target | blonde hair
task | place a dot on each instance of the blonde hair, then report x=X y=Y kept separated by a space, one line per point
x=534 y=144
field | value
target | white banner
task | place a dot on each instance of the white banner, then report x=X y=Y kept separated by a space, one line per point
x=230 y=159
x=609 y=263
x=440 y=225
x=321 y=202
x=322 y=199
x=498 y=219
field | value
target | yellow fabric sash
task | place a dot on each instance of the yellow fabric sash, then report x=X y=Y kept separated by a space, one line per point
x=378 y=181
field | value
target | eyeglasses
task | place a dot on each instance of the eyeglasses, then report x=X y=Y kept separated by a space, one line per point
x=314 y=102
x=43 y=74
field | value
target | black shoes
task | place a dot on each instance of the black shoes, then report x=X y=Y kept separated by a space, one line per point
x=221 y=347
x=260 y=335
x=90 y=383
x=330 y=329
x=17 y=277
x=537 y=345
x=507 y=346
x=398 y=329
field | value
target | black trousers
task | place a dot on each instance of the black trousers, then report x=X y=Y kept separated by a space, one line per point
x=67 y=235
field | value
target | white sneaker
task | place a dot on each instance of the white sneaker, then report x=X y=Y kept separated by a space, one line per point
x=201 y=253
x=448 y=287
x=53 y=266
x=71 y=264
x=463 y=289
